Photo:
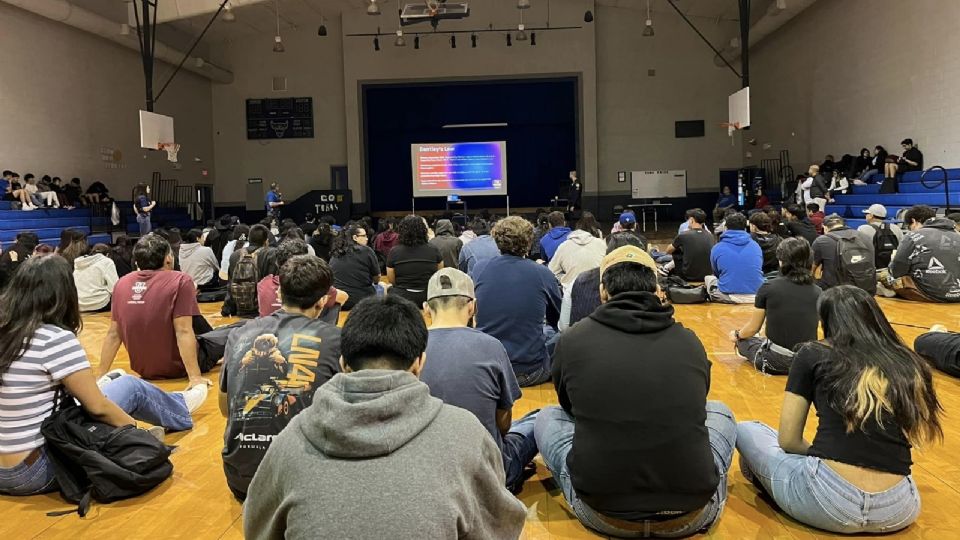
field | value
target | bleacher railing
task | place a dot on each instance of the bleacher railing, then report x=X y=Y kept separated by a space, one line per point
x=945 y=183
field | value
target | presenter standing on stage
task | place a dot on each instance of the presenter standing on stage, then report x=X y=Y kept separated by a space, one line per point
x=274 y=200
x=575 y=190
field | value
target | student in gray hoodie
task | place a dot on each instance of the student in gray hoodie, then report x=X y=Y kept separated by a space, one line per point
x=447 y=243
x=198 y=261
x=376 y=455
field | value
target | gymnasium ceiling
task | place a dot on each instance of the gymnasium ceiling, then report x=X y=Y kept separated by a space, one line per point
x=258 y=18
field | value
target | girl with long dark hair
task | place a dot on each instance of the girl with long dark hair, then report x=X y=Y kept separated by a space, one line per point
x=122 y=255
x=143 y=205
x=589 y=223
x=322 y=240
x=73 y=244
x=874 y=399
x=39 y=354
x=788 y=306
x=412 y=262
x=355 y=267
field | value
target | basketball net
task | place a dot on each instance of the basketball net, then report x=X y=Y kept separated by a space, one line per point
x=731 y=127
x=171 y=149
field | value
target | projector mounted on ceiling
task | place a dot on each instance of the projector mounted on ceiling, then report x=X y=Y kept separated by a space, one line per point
x=433 y=11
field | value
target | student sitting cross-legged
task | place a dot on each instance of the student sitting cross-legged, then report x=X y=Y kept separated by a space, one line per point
x=788 y=305
x=635 y=446
x=471 y=370
x=273 y=365
x=875 y=400
x=376 y=456
x=40 y=354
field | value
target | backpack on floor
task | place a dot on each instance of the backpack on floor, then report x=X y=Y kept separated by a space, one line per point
x=243 y=285
x=855 y=265
x=95 y=460
x=884 y=244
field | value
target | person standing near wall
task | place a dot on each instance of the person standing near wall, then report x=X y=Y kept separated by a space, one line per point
x=142 y=205
x=274 y=200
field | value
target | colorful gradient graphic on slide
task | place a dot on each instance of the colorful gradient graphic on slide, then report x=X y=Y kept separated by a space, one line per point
x=469 y=168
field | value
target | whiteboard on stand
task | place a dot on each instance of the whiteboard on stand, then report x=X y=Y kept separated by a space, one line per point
x=658 y=184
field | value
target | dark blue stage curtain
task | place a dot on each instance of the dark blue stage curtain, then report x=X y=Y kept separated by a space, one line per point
x=542 y=135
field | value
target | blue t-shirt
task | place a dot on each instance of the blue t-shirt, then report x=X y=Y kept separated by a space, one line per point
x=3 y=187
x=726 y=201
x=469 y=369
x=142 y=202
x=272 y=197
x=514 y=296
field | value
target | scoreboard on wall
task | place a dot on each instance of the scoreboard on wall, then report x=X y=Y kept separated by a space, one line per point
x=283 y=118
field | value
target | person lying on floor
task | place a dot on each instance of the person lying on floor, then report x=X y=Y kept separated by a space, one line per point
x=875 y=400
x=942 y=348
x=40 y=354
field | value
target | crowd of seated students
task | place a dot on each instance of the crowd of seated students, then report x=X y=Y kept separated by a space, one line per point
x=831 y=176
x=368 y=401
x=32 y=193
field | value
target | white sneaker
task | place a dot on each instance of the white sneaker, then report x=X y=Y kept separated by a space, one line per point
x=939 y=328
x=28 y=207
x=109 y=376
x=194 y=397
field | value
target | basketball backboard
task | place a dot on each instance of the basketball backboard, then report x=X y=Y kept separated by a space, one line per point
x=738 y=113
x=155 y=129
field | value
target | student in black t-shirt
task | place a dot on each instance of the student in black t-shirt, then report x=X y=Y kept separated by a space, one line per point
x=797 y=224
x=788 y=304
x=874 y=399
x=761 y=230
x=412 y=261
x=911 y=160
x=272 y=367
x=356 y=270
x=635 y=445
x=691 y=249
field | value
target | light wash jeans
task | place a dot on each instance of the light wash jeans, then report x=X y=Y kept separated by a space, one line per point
x=143 y=220
x=136 y=397
x=554 y=430
x=809 y=491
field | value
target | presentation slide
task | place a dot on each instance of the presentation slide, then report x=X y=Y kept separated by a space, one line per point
x=465 y=169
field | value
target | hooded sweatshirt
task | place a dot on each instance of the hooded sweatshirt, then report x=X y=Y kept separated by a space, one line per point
x=199 y=263
x=636 y=381
x=737 y=261
x=931 y=255
x=552 y=240
x=372 y=457
x=385 y=241
x=95 y=276
x=581 y=251
x=447 y=243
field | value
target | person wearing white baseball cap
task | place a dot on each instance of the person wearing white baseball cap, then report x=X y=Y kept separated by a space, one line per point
x=886 y=237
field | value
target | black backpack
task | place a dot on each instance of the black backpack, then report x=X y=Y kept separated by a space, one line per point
x=884 y=244
x=855 y=265
x=243 y=285
x=95 y=460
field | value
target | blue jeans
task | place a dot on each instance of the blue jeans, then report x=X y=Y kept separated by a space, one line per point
x=543 y=373
x=143 y=220
x=148 y=403
x=554 y=431
x=33 y=479
x=808 y=490
x=519 y=448
x=136 y=397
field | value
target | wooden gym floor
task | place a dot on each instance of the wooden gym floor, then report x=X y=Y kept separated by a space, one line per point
x=195 y=503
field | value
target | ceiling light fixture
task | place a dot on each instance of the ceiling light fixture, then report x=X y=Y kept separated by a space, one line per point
x=228 y=15
x=588 y=17
x=453 y=41
x=400 y=41
x=509 y=40
x=648 y=26
x=322 y=31
x=277 y=40
x=416 y=42
x=523 y=4
x=373 y=8
x=473 y=40
x=521 y=34
x=533 y=38
x=376 y=43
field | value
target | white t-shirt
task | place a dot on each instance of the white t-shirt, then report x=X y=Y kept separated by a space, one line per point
x=28 y=387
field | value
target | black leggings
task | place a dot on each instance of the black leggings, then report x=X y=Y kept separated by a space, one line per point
x=942 y=349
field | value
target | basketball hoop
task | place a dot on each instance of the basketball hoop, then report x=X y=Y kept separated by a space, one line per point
x=731 y=127
x=171 y=149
